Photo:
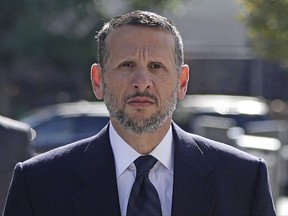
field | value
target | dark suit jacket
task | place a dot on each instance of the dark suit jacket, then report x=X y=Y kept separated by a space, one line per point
x=14 y=147
x=79 y=179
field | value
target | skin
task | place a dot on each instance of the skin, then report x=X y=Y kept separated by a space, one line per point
x=141 y=59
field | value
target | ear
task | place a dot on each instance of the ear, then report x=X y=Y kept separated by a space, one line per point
x=96 y=79
x=184 y=78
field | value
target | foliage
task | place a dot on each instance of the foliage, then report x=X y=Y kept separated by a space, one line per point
x=44 y=46
x=267 y=23
x=152 y=5
x=43 y=29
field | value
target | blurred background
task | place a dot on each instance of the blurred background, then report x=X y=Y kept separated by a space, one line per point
x=237 y=51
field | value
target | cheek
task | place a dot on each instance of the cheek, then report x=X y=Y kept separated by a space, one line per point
x=114 y=88
x=166 y=89
x=168 y=83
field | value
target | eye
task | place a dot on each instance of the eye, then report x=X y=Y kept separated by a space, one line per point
x=127 y=64
x=156 y=66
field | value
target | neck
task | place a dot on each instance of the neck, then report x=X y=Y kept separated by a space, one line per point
x=143 y=143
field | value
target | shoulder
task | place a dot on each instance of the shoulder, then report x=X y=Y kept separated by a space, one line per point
x=225 y=162
x=56 y=159
x=217 y=153
x=68 y=155
x=52 y=166
x=228 y=158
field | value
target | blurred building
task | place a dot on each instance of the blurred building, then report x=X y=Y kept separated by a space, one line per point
x=218 y=52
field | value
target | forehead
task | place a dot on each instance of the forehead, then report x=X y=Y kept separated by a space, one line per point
x=133 y=37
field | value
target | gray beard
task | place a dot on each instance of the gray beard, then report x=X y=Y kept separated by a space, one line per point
x=147 y=126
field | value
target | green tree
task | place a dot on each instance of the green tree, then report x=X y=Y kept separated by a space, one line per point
x=152 y=5
x=42 y=44
x=267 y=23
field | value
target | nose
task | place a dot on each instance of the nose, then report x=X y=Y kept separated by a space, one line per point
x=142 y=80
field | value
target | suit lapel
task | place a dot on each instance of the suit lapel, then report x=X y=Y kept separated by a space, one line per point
x=98 y=194
x=193 y=187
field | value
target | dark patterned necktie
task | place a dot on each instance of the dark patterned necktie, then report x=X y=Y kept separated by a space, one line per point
x=144 y=199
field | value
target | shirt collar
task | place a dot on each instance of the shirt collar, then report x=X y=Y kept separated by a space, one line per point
x=125 y=155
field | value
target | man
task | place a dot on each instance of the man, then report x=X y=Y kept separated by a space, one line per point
x=140 y=76
x=15 y=140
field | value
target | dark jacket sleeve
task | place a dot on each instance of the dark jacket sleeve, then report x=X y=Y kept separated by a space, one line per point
x=18 y=200
x=262 y=203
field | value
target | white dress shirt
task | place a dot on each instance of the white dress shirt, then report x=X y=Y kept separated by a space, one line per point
x=161 y=175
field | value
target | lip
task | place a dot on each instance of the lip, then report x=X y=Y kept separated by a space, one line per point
x=140 y=102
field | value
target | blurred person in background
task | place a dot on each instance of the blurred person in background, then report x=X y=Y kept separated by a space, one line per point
x=15 y=146
x=141 y=163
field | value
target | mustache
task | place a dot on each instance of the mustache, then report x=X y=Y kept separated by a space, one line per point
x=141 y=94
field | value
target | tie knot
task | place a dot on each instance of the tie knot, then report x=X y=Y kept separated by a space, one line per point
x=144 y=164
